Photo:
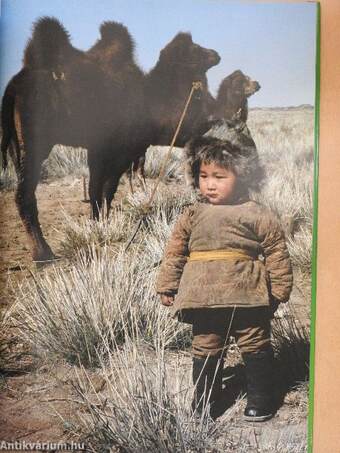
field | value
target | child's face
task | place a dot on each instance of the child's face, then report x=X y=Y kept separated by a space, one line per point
x=217 y=183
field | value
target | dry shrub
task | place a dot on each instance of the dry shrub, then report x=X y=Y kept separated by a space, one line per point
x=168 y=199
x=64 y=161
x=144 y=407
x=292 y=346
x=300 y=250
x=142 y=403
x=97 y=301
x=8 y=178
x=83 y=234
x=155 y=158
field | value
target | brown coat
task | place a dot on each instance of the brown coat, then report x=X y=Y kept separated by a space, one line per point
x=247 y=226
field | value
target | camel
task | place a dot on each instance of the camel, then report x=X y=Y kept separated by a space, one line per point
x=61 y=96
x=99 y=100
x=181 y=62
x=232 y=97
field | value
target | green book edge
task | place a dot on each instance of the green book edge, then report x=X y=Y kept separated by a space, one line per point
x=315 y=236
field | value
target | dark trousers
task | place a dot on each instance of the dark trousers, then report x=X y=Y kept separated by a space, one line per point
x=212 y=328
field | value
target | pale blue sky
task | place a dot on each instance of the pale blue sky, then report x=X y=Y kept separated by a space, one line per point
x=273 y=43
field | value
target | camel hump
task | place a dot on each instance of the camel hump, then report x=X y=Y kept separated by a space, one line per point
x=49 y=45
x=113 y=31
x=114 y=36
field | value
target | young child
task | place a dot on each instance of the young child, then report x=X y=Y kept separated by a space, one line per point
x=225 y=270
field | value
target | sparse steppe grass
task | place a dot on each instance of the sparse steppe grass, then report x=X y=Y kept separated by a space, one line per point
x=154 y=161
x=71 y=313
x=103 y=313
x=289 y=194
x=283 y=134
x=285 y=143
x=143 y=404
x=300 y=250
x=84 y=233
x=170 y=199
x=64 y=161
x=140 y=400
x=8 y=178
x=290 y=340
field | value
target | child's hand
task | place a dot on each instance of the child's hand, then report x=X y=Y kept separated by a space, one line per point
x=167 y=299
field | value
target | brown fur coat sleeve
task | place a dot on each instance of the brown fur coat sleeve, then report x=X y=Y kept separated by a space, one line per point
x=277 y=260
x=175 y=256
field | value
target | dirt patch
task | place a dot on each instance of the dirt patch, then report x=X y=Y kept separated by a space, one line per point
x=33 y=406
x=15 y=258
x=24 y=414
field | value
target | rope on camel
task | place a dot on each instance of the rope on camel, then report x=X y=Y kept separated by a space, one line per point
x=147 y=206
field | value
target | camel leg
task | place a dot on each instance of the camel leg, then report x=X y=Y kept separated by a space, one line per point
x=26 y=202
x=130 y=175
x=110 y=189
x=96 y=184
x=13 y=150
x=141 y=171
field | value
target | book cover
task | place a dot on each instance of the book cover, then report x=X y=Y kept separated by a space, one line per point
x=101 y=105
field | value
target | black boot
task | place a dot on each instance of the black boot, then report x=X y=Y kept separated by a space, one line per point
x=260 y=385
x=207 y=378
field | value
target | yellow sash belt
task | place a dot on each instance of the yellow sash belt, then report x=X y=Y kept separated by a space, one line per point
x=212 y=255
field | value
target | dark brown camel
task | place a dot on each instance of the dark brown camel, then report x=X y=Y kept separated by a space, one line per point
x=168 y=84
x=99 y=100
x=61 y=96
x=114 y=55
x=232 y=96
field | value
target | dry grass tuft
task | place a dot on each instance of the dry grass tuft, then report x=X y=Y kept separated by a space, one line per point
x=102 y=300
x=64 y=161
x=292 y=346
x=81 y=235
x=8 y=178
x=300 y=250
x=155 y=157
x=144 y=407
x=169 y=199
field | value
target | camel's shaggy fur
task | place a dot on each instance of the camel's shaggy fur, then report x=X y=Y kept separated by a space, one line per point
x=62 y=95
x=49 y=46
x=232 y=96
x=125 y=107
x=168 y=84
x=99 y=100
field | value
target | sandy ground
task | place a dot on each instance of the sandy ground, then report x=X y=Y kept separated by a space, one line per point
x=15 y=259
x=24 y=416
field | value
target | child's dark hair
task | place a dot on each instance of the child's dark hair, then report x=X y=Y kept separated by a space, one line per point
x=237 y=152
